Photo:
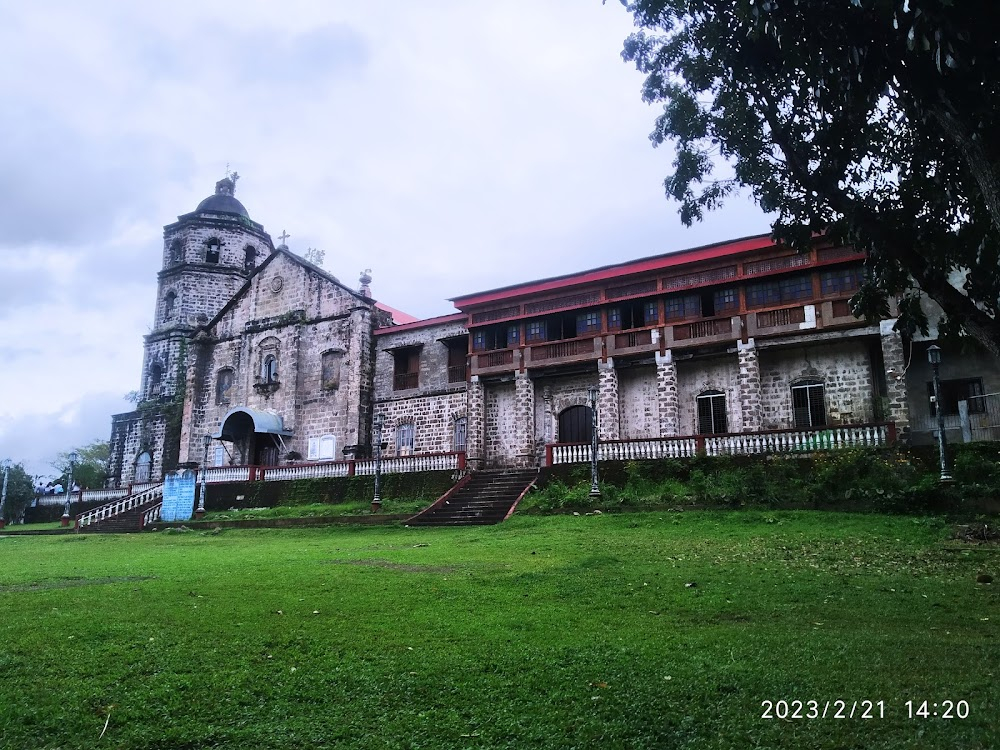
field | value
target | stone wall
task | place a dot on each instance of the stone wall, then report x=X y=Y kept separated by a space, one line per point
x=433 y=419
x=637 y=403
x=842 y=367
x=696 y=376
x=500 y=424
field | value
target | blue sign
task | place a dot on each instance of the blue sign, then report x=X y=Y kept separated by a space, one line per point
x=178 y=496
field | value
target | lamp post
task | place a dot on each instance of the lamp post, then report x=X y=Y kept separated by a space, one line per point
x=73 y=456
x=595 y=491
x=377 y=429
x=200 y=511
x=3 y=493
x=934 y=357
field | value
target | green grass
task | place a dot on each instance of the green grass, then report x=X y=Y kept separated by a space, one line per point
x=32 y=526
x=562 y=631
x=314 y=510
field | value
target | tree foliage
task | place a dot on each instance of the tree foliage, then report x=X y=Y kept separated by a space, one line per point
x=91 y=468
x=871 y=121
x=20 y=492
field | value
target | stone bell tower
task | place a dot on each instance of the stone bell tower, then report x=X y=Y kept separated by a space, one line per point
x=208 y=255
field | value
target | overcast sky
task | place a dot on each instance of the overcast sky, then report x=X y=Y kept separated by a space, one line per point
x=451 y=146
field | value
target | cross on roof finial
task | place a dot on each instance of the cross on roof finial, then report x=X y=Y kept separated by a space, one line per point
x=283 y=236
x=227 y=169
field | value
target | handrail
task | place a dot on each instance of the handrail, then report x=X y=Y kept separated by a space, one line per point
x=117 y=507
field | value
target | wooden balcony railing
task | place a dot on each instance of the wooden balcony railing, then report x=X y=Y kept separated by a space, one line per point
x=784 y=317
x=402 y=381
x=701 y=329
x=631 y=339
x=562 y=349
x=499 y=358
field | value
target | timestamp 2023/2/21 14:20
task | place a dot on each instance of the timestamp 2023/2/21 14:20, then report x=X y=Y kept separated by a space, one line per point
x=861 y=709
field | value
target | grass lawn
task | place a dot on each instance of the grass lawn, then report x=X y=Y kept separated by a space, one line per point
x=560 y=631
x=314 y=510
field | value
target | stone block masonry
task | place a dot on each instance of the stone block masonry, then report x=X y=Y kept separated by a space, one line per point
x=608 y=418
x=667 y=394
x=894 y=359
x=751 y=402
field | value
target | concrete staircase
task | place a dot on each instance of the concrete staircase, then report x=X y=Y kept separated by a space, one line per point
x=122 y=523
x=484 y=498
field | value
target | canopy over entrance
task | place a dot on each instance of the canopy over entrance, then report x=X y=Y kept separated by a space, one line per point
x=242 y=421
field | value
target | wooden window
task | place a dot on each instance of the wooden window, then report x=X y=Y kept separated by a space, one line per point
x=588 y=322
x=404 y=439
x=763 y=294
x=841 y=281
x=535 y=331
x=808 y=407
x=456 y=363
x=650 y=313
x=953 y=391
x=269 y=369
x=712 y=413
x=478 y=341
x=513 y=336
x=796 y=288
x=726 y=300
x=461 y=433
x=681 y=306
x=406 y=368
x=614 y=319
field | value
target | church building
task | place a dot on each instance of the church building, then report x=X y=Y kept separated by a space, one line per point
x=258 y=357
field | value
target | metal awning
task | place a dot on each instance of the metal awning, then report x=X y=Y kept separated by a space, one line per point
x=239 y=420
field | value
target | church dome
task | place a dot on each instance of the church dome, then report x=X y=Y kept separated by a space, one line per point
x=223 y=202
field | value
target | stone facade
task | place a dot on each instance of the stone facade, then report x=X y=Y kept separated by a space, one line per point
x=273 y=359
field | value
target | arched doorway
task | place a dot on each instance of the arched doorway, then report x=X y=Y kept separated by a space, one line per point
x=256 y=435
x=143 y=465
x=576 y=425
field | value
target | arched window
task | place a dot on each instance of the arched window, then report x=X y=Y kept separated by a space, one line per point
x=155 y=379
x=169 y=302
x=269 y=369
x=461 y=433
x=176 y=251
x=712 y=413
x=223 y=384
x=404 y=439
x=212 y=250
x=330 y=370
x=576 y=425
x=143 y=464
x=249 y=258
x=808 y=404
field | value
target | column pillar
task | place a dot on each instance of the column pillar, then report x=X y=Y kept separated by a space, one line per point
x=608 y=418
x=894 y=358
x=524 y=420
x=667 y=399
x=748 y=382
x=475 y=438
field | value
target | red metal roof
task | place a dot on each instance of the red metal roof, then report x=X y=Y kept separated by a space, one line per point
x=642 y=265
x=414 y=323
x=397 y=315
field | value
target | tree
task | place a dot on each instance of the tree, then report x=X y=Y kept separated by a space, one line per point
x=872 y=122
x=91 y=468
x=20 y=492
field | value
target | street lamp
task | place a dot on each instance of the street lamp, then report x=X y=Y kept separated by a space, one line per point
x=200 y=511
x=934 y=357
x=73 y=456
x=377 y=428
x=3 y=493
x=595 y=491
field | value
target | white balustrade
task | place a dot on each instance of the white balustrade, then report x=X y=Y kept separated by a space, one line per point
x=306 y=471
x=151 y=516
x=227 y=474
x=135 y=500
x=745 y=443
